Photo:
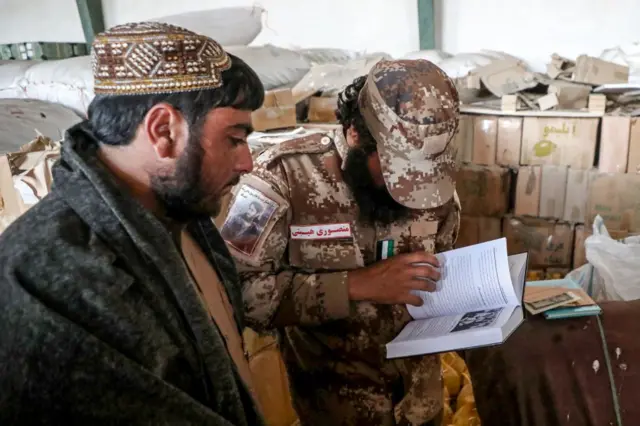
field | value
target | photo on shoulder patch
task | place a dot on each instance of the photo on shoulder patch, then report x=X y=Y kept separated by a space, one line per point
x=247 y=219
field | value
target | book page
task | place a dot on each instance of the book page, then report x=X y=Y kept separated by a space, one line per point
x=518 y=270
x=474 y=278
x=450 y=333
x=434 y=327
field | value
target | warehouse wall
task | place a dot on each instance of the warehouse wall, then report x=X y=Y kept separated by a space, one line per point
x=532 y=30
x=379 y=25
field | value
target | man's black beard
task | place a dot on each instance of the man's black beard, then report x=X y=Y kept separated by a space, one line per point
x=376 y=204
x=180 y=193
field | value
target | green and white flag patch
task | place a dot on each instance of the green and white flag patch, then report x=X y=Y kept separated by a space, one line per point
x=384 y=249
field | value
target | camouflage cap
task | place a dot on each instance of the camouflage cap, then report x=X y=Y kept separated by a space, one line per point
x=412 y=109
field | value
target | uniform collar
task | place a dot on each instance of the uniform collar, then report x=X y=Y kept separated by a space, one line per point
x=342 y=147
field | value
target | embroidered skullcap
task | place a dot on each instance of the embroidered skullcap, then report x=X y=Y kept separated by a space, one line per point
x=154 y=57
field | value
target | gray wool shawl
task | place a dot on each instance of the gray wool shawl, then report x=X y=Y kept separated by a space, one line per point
x=100 y=323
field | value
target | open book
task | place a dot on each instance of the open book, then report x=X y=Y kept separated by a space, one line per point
x=478 y=302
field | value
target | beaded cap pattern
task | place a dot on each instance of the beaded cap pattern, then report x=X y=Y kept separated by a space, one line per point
x=154 y=57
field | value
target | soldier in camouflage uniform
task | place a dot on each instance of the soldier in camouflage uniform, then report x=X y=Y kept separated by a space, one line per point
x=353 y=220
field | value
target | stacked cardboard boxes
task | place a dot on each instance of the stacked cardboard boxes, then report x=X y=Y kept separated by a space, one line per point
x=526 y=178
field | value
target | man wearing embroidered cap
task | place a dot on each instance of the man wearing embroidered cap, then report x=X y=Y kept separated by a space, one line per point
x=356 y=220
x=119 y=304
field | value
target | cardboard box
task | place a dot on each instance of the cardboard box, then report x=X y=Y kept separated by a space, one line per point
x=505 y=76
x=633 y=163
x=616 y=198
x=509 y=141
x=553 y=189
x=559 y=141
x=575 y=202
x=483 y=190
x=535 y=274
x=26 y=178
x=464 y=139
x=556 y=273
x=596 y=71
x=579 y=254
x=485 y=135
x=277 y=112
x=527 y=200
x=475 y=230
x=541 y=191
x=549 y=243
x=322 y=109
x=570 y=95
x=614 y=144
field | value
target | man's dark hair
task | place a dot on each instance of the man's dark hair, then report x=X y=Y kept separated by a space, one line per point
x=115 y=119
x=256 y=205
x=348 y=114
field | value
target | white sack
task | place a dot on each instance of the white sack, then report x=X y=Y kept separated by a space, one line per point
x=229 y=26
x=629 y=55
x=11 y=76
x=436 y=56
x=275 y=66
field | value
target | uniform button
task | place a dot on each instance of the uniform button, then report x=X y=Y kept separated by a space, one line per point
x=325 y=140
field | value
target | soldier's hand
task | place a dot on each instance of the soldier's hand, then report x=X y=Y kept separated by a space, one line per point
x=391 y=281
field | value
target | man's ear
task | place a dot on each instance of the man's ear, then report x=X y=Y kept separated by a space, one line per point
x=353 y=139
x=166 y=131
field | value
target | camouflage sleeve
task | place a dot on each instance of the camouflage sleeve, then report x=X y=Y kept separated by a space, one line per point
x=449 y=225
x=276 y=295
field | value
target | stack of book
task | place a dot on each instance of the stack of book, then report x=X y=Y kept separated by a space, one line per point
x=558 y=299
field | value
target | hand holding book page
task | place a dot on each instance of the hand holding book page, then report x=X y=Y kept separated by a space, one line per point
x=477 y=303
x=474 y=278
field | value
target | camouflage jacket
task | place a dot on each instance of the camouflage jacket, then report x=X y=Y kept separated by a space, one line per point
x=297 y=282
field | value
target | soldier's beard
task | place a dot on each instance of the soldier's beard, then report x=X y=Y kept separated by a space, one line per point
x=375 y=203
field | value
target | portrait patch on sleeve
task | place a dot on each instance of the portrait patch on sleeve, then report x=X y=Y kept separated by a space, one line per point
x=252 y=213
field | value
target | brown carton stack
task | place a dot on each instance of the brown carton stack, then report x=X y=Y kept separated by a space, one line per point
x=616 y=198
x=613 y=189
x=322 y=110
x=544 y=164
x=550 y=244
x=484 y=197
x=277 y=112
x=485 y=144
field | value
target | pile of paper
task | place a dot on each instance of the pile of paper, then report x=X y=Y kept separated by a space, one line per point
x=509 y=85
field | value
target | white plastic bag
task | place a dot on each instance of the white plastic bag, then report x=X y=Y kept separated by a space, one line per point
x=617 y=264
x=627 y=54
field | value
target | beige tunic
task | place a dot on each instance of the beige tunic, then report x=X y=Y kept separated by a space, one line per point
x=217 y=303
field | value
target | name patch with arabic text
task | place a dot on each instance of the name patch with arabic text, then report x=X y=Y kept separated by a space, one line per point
x=330 y=231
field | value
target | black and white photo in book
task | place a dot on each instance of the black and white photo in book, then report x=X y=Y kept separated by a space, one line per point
x=478 y=319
